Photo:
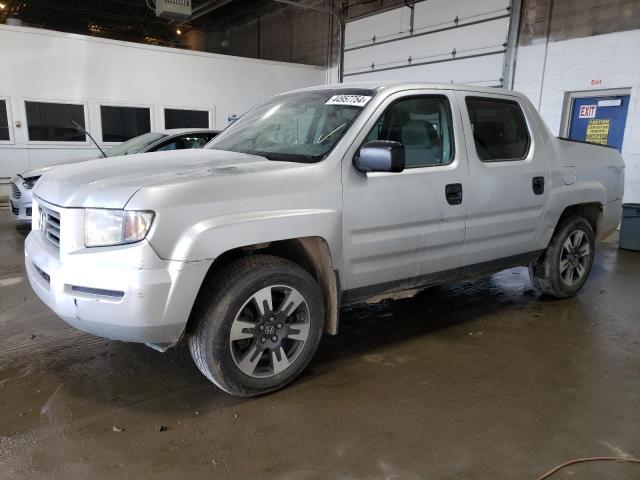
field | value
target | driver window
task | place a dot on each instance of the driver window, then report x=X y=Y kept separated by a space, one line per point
x=423 y=125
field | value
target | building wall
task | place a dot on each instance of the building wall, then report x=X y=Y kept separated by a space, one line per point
x=51 y=66
x=578 y=57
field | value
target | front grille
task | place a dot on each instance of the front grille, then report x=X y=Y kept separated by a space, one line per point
x=15 y=191
x=50 y=225
x=15 y=210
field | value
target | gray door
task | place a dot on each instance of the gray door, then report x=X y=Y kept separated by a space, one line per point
x=400 y=226
x=510 y=170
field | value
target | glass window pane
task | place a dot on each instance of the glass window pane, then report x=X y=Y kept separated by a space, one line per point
x=499 y=129
x=174 y=118
x=295 y=127
x=423 y=125
x=186 y=142
x=119 y=124
x=51 y=122
x=4 y=121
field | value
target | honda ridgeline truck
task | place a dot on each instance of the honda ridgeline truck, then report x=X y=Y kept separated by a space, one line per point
x=316 y=199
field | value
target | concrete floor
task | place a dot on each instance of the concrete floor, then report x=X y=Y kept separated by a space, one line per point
x=477 y=381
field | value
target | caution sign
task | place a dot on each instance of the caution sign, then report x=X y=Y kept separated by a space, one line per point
x=598 y=131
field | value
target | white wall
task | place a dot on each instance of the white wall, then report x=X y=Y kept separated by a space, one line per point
x=478 y=35
x=572 y=65
x=39 y=64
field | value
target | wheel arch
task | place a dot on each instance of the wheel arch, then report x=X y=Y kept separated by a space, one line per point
x=591 y=212
x=310 y=253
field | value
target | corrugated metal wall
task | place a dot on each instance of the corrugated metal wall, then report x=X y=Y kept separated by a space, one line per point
x=576 y=18
x=283 y=33
x=436 y=40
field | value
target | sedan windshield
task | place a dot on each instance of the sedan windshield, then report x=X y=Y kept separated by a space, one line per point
x=135 y=145
x=296 y=127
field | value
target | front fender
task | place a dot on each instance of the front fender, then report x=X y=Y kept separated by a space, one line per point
x=209 y=238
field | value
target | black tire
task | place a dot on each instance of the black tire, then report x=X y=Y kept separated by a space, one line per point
x=225 y=296
x=545 y=272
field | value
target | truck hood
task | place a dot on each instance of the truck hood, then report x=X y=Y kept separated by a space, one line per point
x=111 y=182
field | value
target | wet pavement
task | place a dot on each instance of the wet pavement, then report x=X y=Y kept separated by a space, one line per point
x=481 y=380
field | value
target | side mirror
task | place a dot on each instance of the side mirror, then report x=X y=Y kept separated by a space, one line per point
x=380 y=156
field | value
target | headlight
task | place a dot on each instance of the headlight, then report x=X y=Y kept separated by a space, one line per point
x=30 y=182
x=115 y=227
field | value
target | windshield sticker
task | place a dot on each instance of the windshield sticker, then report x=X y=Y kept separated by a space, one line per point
x=353 y=100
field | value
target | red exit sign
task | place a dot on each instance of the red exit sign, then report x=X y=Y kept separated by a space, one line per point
x=587 y=111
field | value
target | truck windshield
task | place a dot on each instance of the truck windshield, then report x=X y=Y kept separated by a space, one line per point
x=134 y=145
x=296 y=127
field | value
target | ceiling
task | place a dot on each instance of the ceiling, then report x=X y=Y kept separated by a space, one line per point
x=128 y=20
x=250 y=28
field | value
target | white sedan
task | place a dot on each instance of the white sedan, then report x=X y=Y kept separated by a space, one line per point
x=170 y=139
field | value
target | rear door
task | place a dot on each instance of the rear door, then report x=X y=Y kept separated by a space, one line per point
x=509 y=170
x=401 y=226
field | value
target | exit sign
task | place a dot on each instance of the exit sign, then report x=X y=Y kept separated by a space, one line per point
x=587 y=111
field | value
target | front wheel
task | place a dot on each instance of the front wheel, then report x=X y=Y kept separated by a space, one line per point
x=258 y=324
x=564 y=266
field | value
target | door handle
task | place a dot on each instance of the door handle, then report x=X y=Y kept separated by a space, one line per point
x=453 y=192
x=538 y=185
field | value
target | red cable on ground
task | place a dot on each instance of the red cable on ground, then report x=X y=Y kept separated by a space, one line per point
x=588 y=459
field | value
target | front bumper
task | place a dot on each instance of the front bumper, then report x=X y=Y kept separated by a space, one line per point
x=20 y=201
x=122 y=293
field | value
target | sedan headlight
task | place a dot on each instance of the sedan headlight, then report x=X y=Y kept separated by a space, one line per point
x=29 y=182
x=104 y=227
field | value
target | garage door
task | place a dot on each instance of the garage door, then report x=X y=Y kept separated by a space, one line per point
x=461 y=41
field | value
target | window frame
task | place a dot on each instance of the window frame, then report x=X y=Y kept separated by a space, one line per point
x=512 y=100
x=10 y=125
x=99 y=106
x=454 y=151
x=58 y=143
x=210 y=115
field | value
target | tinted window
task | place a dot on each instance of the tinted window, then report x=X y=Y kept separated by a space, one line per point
x=4 y=121
x=174 y=118
x=185 y=142
x=51 y=122
x=423 y=125
x=499 y=129
x=122 y=123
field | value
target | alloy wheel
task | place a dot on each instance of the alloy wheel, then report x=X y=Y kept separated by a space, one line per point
x=574 y=257
x=269 y=331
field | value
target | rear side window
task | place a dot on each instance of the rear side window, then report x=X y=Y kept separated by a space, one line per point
x=499 y=129
x=423 y=125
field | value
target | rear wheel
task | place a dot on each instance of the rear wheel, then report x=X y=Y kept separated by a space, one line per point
x=258 y=324
x=563 y=268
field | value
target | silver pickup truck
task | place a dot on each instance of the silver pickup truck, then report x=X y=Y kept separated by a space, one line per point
x=316 y=199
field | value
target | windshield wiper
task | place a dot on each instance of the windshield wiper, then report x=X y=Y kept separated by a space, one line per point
x=79 y=128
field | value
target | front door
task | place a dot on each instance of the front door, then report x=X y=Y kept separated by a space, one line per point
x=402 y=226
x=599 y=119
